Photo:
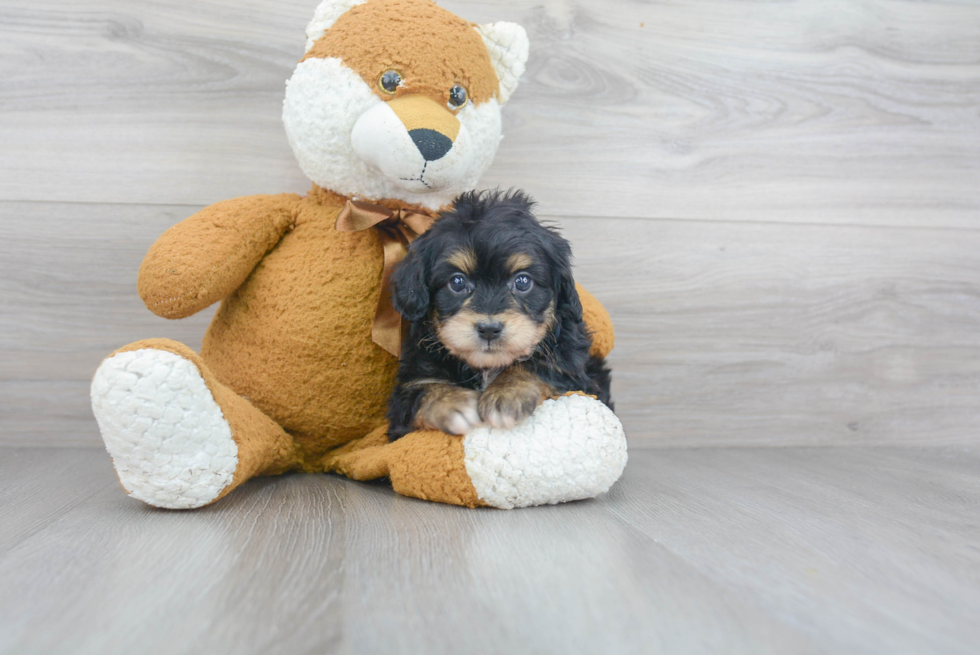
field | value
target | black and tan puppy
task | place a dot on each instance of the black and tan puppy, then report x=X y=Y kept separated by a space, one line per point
x=495 y=322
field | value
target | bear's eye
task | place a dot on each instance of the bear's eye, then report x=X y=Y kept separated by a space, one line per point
x=458 y=283
x=457 y=96
x=389 y=81
x=523 y=282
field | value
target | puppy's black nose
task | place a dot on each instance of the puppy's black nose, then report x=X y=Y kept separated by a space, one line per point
x=430 y=143
x=489 y=330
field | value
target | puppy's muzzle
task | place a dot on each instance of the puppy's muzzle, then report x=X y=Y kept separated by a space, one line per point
x=489 y=331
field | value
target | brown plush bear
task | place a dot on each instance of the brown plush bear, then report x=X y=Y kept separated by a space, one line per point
x=392 y=112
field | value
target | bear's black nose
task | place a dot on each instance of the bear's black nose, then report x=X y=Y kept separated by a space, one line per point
x=430 y=143
x=489 y=330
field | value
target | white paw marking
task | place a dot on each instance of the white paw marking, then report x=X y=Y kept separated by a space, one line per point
x=168 y=439
x=501 y=420
x=570 y=448
x=465 y=418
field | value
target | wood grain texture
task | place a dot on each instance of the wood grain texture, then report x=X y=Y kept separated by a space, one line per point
x=846 y=111
x=830 y=550
x=68 y=299
x=758 y=334
x=727 y=333
x=37 y=489
x=778 y=203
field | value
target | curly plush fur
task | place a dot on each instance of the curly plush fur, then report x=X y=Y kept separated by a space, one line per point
x=496 y=321
x=367 y=151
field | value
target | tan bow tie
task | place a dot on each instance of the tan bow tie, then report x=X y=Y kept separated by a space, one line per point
x=397 y=229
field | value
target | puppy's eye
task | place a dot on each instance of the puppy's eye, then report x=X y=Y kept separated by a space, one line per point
x=389 y=81
x=458 y=283
x=457 y=96
x=523 y=283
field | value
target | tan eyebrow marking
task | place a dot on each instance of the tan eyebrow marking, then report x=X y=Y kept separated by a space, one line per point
x=518 y=261
x=464 y=260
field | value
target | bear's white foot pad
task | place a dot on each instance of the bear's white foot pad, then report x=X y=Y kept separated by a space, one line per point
x=570 y=448
x=169 y=441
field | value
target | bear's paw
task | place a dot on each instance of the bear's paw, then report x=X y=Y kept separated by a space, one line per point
x=168 y=439
x=570 y=448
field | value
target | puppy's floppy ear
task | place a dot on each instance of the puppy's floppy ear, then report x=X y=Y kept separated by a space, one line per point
x=567 y=301
x=571 y=339
x=410 y=283
x=567 y=294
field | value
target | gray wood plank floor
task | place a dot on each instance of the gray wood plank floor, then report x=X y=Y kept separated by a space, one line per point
x=796 y=550
x=727 y=333
x=778 y=202
x=832 y=111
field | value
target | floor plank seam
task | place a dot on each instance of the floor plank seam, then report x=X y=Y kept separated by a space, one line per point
x=77 y=502
x=560 y=217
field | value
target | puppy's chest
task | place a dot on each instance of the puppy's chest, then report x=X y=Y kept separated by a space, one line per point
x=470 y=379
x=487 y=376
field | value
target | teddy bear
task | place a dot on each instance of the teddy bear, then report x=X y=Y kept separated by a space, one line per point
x=393 y=110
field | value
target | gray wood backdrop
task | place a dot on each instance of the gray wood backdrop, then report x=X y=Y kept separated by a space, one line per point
x=779 y=202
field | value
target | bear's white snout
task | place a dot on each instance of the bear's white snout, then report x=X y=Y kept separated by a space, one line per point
x=414 y=142
x=350 y=141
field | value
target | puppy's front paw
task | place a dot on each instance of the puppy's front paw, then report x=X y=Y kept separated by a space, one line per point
x=450 y=409
x=511 y=399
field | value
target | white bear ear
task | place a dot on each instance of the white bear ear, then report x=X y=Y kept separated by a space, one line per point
x=325 y=16
x=508 y=47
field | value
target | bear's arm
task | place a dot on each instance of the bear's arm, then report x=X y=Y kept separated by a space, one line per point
x=598 y=323
x=204 y=258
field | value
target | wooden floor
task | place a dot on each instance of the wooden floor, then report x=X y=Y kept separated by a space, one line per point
x=778 y=203
x=794 y=550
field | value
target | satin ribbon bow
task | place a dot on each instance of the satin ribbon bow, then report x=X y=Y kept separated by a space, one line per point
x=397 y=229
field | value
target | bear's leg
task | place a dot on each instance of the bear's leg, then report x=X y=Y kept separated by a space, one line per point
x=571 y=447
x=178 y=438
